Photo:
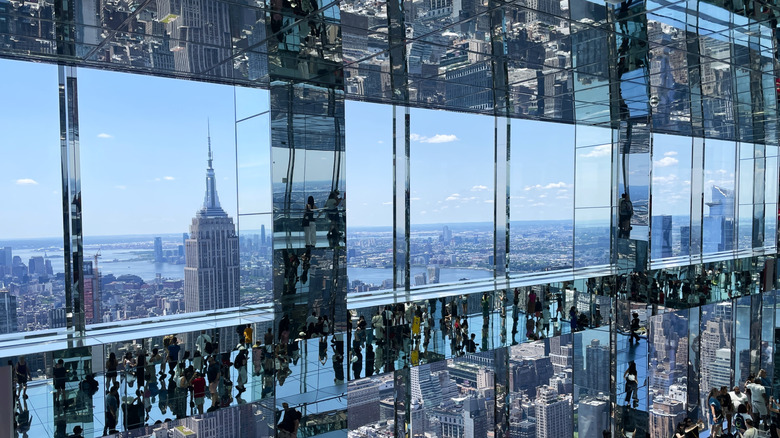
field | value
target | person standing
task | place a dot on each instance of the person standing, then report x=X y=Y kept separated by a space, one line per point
x=716 y=413
x=173 y=354
x=630 y=377
x=288 y=426
x=758 y=400
x=309 y=223
x=60 y=377
x=634 y=329
x=22 y=376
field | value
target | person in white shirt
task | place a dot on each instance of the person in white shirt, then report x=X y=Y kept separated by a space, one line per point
x=739 y=398
x=201 y=342
x=758 y=400
x=312 y=319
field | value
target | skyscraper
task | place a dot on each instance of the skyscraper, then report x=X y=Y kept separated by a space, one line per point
x=553 y=413
x=8 y=318
x=158 y=252
x=211 y=273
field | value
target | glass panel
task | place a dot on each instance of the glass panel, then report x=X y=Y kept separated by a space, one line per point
x=158 y=265
x=671 y=200
x=542 y=197
x=370 y=183
x=32 y=269
x=591 y=236
x=592 y=184
x=719 y=185
x=451 y=195
x=253 y=149
x=715 y=356
x=591 y=357
x=668 y=339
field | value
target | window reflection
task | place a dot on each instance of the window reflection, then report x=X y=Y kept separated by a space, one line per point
x=151 y=212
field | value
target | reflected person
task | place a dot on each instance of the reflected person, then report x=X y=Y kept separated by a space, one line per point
x=625 y=213
x=309 y=223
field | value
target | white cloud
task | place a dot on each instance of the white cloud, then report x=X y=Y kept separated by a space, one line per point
x=414 y=199
x=478 y=188
x=453 y=197
x=388 y=203
x=168 y=178
x=104 y=135
x=666 y=161
x=558 y=185
x=670 y=154
x=661 y=180
x=121 y=187
x=26 y=182
x=488 y=201
x=438 y=138
x=441 y=138
x=380 y=142
x=599 y=151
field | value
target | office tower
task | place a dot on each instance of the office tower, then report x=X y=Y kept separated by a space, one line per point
x=6 y=258
x=8 y=313
x=92 y=298
x=262 y=235
x=211 y=274
x=58 y=318
x=665 y=415
x=553 y=413
x=364 y=406
x=419 y=279
x=36 y=266
x=433 y=274
x=596 y=358
x=475 y=421
x=685 y=241
x=158 y=250
x=593 y=416
x=662 y=236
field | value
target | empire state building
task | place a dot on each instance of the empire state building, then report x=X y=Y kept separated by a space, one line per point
x=211 y=275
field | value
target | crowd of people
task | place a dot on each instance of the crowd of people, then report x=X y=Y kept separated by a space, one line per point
x=177 y=381
x=745 y=410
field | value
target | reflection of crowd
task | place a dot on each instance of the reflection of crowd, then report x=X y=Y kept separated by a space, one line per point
x=685 y=289
x=176 y=380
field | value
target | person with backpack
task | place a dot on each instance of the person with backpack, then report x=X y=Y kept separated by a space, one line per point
x=740 y=419
x=240 y=363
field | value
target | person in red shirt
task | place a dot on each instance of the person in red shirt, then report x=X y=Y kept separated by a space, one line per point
x=199 y=390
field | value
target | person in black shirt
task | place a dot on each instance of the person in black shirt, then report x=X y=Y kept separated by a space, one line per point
x=288 y=427
x=471 y=346
x=213 y=374
x=60 y=377
x=634 y=329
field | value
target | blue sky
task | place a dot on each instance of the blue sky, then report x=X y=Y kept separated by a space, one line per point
x=143 y=158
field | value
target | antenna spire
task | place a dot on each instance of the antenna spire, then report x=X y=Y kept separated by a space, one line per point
x=208 y=124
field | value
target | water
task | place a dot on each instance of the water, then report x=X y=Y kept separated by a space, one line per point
x=446 y=275
x=112 y=261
